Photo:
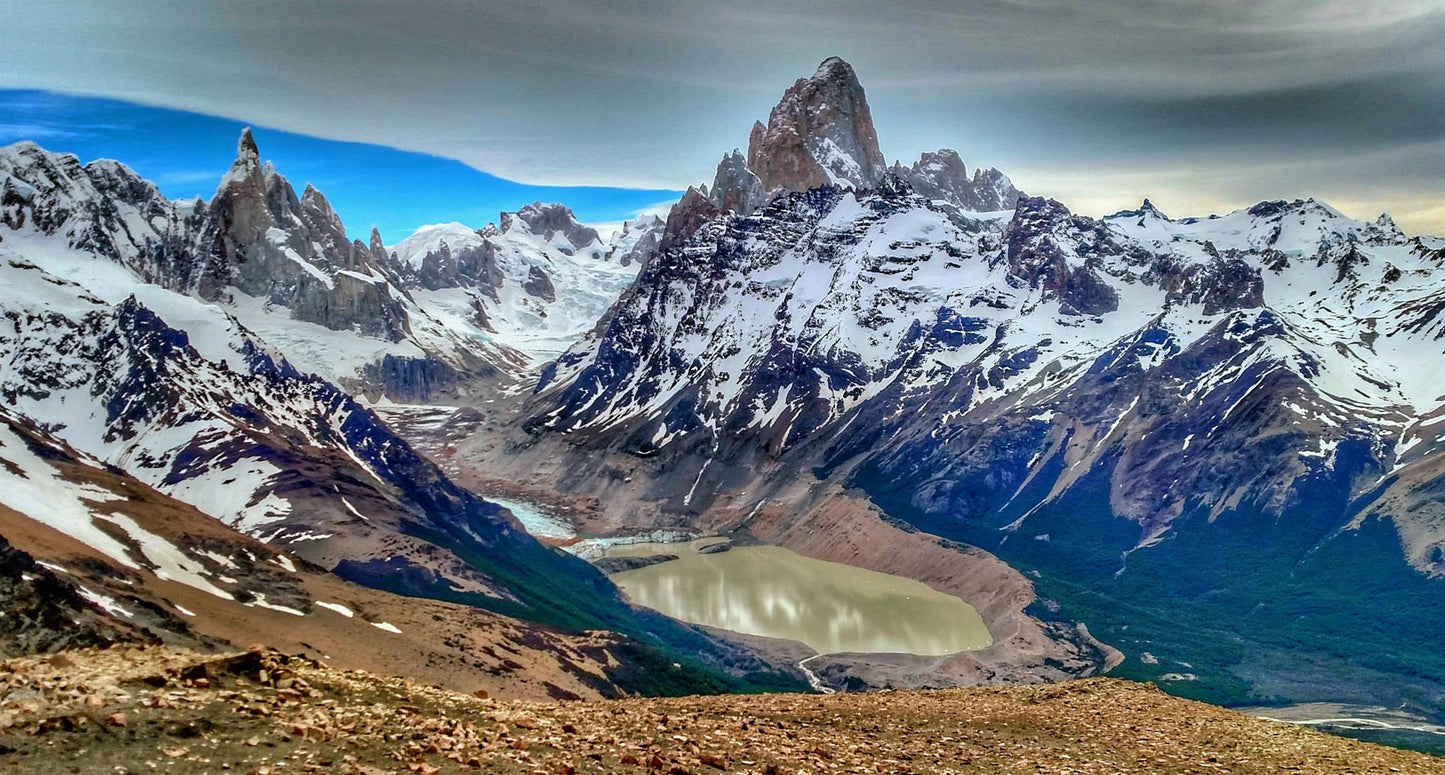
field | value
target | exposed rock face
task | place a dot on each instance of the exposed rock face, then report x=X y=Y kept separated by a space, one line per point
x=735 y=188
x=550 y=220
x=941 y=175
x=691 y=212
x=1041 y=251
x=820 y=133
x=263 y=241
x=637 y=242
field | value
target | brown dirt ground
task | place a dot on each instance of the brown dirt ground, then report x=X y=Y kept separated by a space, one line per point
x=164 y=710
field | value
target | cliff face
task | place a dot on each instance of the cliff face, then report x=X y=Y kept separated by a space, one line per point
x=820 y=133
x=942 y=175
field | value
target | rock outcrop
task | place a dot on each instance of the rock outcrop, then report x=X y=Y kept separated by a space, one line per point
x=261 y=240
x=820 y=133
x=942 y=175
x=735 y=188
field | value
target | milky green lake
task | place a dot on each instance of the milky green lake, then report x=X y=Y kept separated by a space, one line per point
x=831 y=607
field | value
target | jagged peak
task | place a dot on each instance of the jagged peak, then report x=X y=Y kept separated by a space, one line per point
x=1272 y=207
x=27 y=153
x=942 y=174
x=1146 y=208
x=247 y=167
x=311 y=195
x=832 y=68
x=736 y=188
x=548 y=219
x=246 y=146
x=945 y=157
x=820 y=133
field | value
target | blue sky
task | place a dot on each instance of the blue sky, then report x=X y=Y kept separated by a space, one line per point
x=187 y=153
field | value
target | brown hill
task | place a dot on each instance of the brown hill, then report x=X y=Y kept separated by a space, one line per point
x=138 y=709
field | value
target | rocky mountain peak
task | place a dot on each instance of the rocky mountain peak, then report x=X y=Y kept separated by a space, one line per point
x=315 y=201
x=247 y=166
x=942 y=175
x=735 y=188
x=246 y=146
x=690 y=213
x=820 y=133
x=547 y=220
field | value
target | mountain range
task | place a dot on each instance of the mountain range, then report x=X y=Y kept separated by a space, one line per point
x=1201 y=451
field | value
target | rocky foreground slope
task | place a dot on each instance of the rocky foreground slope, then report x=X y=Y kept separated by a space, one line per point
x=138 y=710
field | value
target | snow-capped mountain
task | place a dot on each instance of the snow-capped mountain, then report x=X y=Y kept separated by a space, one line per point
x=1107 y=401
x=537 y=282
x=447 y=314
x=152 y=340
x=942 y=175
x=821 y=133
x=213 y=417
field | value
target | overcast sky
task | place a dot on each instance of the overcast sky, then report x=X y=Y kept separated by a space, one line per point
x=1202 y=106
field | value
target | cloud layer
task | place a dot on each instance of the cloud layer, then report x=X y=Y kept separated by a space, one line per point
x=1200 y=105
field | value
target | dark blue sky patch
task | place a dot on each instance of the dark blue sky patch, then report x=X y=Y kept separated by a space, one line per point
x=187 y=153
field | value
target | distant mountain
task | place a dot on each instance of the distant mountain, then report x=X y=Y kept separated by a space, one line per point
x=125 y=341
x=1213 y=440
x=353 y=312
x=538 y=282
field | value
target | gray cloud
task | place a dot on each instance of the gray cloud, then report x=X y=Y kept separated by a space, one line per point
x=1207 y=104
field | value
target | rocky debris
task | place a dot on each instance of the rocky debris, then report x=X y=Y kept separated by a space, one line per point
x=820 y=133
x=263 y=712
x=942 y=175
